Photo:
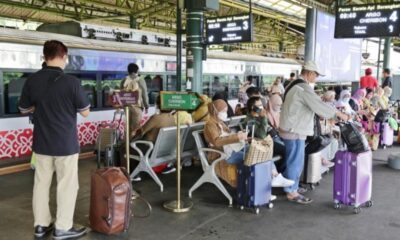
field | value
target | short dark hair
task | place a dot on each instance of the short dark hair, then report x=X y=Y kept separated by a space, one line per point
x=251 y=102
x=133 y=68
x=292 y=75
x=53 y=49
x=249 y=78
x=386 y=70
x=252 y=91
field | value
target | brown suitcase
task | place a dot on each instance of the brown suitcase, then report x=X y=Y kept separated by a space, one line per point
x=110 y=200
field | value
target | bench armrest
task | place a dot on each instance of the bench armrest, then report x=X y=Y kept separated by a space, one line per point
x=222 y=156
x=134 y=145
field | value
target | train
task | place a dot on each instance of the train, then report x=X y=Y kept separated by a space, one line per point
x=101 y=65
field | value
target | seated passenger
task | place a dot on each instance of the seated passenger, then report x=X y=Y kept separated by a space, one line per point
x=343 y=102
x=257 y=116
x=219 y=137
x=223 y=96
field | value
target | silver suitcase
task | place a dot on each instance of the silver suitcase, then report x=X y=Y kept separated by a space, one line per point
x=312 y=170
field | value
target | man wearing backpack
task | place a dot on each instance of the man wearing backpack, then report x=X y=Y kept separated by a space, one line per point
x=300 y=105
x=132 y=82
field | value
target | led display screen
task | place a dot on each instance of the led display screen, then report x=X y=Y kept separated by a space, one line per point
x=371 y=20
x=229 y=29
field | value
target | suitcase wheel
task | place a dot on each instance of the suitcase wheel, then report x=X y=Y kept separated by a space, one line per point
x=312 y=186
x=384 y=146
x=368 y=204
x=357 y=210
x=337 y=205
x=256 y=211
x=270 y=205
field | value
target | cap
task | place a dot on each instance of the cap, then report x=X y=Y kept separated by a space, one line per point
x=368 y=71
x=311 y=66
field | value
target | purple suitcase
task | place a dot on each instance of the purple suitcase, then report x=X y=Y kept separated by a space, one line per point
x=387 y=135
x=254 y=186
x=352 y=184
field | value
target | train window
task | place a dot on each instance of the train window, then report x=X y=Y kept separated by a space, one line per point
x=219 y=84
x=171 y=83
x=110 y=82
x=234 y=85
x=89 y=84
x=154 y=85
x=13 y=84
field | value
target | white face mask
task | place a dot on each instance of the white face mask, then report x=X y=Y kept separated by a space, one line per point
x=223 y=116
x=346 y=100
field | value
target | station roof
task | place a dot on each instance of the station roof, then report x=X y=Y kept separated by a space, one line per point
x=275 y=21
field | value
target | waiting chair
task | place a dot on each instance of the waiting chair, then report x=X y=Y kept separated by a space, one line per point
x=162 y=151
x=209 y=174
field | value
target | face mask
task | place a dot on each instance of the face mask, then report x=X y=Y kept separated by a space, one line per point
x=346 y=100
x=223 y=116
x=257 y=109
x=312 y=85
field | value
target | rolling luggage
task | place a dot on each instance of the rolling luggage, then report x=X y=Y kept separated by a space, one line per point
x=353 y=180
x=110 y=200
x=312 y=173
x=387 y=135
x=254 y=186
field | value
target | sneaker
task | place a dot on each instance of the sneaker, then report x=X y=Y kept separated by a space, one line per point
x=137 y=178
x=168 y=170
x=280 y=181
x=72 y=233
x=272 y=198
x=40 y=231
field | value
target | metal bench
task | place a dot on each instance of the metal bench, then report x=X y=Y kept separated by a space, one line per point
x=209 y=174
x=162 y=151
x=189 y=148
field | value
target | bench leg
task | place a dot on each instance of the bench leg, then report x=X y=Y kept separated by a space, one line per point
x=206 y=177
x=222 y=188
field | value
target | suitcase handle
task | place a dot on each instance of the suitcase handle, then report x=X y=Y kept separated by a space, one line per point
x=108 y=219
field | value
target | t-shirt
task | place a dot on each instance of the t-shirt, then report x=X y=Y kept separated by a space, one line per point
x=57 y=98
x=368 y=82
x=387 y=82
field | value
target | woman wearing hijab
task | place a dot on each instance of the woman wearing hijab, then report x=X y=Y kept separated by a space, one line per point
x=223 y=96
x=219 y=137
x=343 y=102
x=273 y=110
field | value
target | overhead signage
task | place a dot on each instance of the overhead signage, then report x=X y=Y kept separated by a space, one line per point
x=369 y=20
x=229 y=29
x=124 y=98
x=179 y=101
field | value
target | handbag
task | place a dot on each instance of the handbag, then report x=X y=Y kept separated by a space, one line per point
x=356 y=142
x=259 y=151
x=318 y=141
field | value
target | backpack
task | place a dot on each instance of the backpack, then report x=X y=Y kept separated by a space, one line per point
x=130 y=84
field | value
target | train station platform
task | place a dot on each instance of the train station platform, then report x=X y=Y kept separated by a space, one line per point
x=212 y=219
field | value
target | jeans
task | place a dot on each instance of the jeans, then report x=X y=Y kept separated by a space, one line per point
x=294 y=162
x=236 y=157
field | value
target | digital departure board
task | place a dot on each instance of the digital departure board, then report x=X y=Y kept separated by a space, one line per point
x=370 y=20
x=229 y=29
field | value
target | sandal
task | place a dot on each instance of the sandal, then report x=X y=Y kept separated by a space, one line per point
x=301 y=199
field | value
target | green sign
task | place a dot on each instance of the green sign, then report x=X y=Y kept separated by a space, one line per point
x=179 y=101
